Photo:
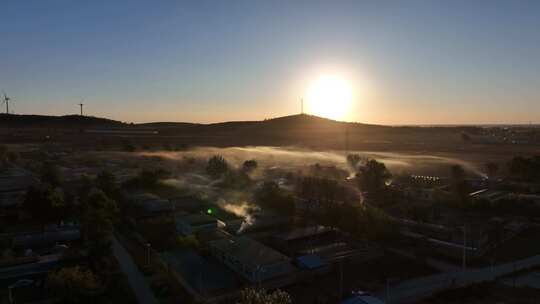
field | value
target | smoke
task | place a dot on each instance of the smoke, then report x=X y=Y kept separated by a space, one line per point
x=244 y=210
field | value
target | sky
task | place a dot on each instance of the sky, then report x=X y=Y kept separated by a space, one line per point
x=407 y=62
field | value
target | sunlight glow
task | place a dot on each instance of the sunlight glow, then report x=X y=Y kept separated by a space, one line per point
x=329 y=96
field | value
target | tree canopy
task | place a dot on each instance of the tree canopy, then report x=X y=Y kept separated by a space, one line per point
x=217 y=166
x=44 y=203
x=269 y=195
x=372 y=176
x=249 y=165
x=99 y=215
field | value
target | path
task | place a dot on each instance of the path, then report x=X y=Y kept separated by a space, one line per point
x=136 y=279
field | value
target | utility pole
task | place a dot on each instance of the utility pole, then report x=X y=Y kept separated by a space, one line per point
x=347 y=138
x=464 y=247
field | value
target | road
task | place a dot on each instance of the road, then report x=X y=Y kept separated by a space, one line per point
x=415 y=289
x=136 y=279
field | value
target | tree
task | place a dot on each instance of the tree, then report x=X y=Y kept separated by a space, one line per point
x=99 y=215
x=273 y=197
x=147 y=179
x=106 y=181
x=492 y=169
x=51 y=175
x=235 y=179
x=217 y=166
x=249 y=166
x=319 y=189
x=44 y=203
x=372 y=177
x=260 y=296
x=71 y=282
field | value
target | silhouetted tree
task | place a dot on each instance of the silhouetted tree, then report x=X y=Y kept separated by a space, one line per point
x=235 y=179
x=44 y=203
x=249 y=165
x=106 y=181
x=271 y=196
x=50 y=174
x=372 y=177
x=147 y=179
x=99 y=215
x=319 y=189
x=217 y=166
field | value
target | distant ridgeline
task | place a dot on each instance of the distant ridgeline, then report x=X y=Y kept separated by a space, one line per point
x=67 y=121
x=294 y=130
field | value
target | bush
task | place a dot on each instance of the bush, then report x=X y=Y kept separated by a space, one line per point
x=261 y=296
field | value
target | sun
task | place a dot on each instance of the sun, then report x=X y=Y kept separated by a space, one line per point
x=329 y=96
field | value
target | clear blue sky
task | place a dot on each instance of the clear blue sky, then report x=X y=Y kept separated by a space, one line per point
x=410 y=61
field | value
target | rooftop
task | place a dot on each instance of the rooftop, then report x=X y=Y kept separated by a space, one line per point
x=195 y=219
x=249 y=252
x=303 y=233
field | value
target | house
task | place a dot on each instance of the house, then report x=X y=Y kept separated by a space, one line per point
x=187 y=224
x=251 y=259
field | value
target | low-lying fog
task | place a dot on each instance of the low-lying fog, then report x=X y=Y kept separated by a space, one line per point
x=297 y=158
x=187 y=168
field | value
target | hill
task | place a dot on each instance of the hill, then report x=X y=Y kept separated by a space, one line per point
x=67 y=121
x=300 y=130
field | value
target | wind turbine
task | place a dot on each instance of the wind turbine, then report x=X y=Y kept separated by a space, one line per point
x=81 y=105
x=6 y=101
